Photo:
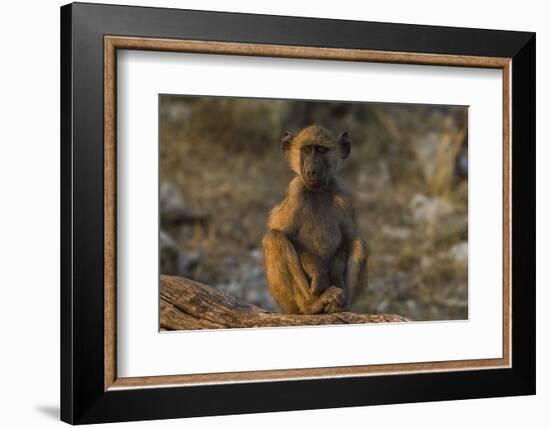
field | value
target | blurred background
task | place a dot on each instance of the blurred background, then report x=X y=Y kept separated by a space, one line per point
x=222 y=170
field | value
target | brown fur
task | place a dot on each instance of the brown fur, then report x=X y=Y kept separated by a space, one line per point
x=314 y=260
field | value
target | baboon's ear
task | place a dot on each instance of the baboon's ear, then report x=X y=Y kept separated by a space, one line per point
x=286 y=141
x=344 y=141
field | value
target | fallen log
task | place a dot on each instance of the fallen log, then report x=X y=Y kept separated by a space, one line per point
x=189 y=305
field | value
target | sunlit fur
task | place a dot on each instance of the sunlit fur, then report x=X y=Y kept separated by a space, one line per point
x=314 y=260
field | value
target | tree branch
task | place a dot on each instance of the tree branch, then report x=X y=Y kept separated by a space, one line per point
x=189 y=305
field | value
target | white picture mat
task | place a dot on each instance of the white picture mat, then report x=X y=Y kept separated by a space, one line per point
x=144 y=351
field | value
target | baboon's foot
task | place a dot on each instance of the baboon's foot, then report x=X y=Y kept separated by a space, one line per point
x=332 y=300
x=333 y=307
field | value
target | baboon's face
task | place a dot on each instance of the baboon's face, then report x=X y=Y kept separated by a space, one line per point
x=315 y=165
x=315 y=155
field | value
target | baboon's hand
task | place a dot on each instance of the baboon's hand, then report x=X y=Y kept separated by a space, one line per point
x=334 y=300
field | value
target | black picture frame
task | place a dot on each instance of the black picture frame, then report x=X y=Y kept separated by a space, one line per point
x=83 y=398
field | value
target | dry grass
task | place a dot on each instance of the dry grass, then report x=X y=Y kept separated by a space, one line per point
x=224 y=156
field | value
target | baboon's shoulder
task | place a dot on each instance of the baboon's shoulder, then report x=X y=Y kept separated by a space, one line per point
x=283 y=215
x=342 y=196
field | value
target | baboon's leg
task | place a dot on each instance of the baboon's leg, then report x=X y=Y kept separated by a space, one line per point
x=315 y=270
x=319 y=282
x=337 y=268
x=287 y=281
x=284 y=274
x=356 y=271
x=336 y=276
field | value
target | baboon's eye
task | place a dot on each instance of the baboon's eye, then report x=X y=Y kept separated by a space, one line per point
x=307 y=149
x=321 y=149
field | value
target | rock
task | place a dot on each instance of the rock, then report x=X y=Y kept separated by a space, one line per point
x=173 y=261
x=373 y=180
x=459 y=252
x=426 y=262
x=169 y=254
x=427 y=210
x=399 y=233
x=175 y=212
x=170 y=197
x=188 y=262
x=257 y=254
x=426 y=152
x=176 y=113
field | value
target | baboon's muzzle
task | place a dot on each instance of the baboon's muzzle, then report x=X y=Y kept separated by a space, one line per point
x=313 y=172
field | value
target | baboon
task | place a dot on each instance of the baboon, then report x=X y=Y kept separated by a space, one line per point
x=314 y=260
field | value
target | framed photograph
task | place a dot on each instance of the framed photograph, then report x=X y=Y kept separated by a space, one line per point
x=267 y=213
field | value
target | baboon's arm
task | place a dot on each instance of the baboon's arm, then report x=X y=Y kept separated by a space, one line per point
x=356 y=270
